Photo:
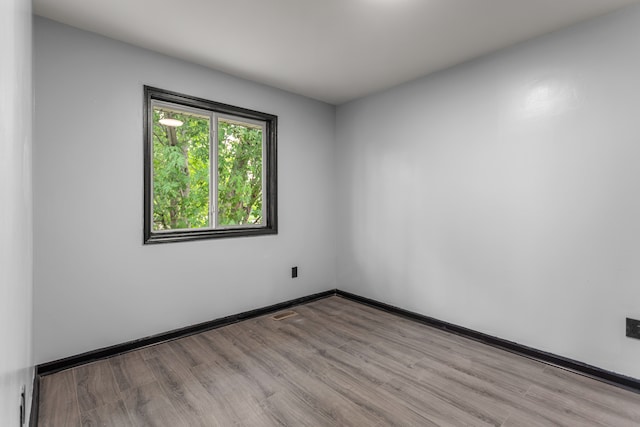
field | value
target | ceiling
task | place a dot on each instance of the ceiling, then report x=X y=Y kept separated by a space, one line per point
x=330 y=50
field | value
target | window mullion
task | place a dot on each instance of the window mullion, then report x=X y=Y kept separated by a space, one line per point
x=213 y=173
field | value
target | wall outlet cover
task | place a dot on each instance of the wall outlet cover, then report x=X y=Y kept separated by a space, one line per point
x=22 y=405
x=633 y=328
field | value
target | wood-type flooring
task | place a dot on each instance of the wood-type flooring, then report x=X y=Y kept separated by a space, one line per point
x=337 y=363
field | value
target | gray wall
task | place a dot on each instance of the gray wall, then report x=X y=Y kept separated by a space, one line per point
x=504 y=194
x=95 y=283
x=16 y=361
x=500 y=195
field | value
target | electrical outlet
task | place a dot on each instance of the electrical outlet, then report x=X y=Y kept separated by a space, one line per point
x=633 y=328
x=294 y=272
x=22 y=406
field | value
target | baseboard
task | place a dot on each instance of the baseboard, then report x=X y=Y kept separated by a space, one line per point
x=619 y=380
x=578 y=367
x=103 y=353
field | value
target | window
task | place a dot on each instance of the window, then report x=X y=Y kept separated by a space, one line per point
x=209 y=169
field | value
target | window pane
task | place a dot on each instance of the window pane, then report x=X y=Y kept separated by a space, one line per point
x=180 y=170
x=239 y=173
x=209 y=171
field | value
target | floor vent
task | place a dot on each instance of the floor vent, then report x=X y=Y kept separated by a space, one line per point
x=284 y=315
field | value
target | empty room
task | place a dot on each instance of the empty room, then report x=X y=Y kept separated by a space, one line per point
x=320 y=213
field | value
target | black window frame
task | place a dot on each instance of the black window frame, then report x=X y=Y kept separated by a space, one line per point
x=270 y=183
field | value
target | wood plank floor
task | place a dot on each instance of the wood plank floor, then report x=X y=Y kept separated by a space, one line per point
x=337 y=363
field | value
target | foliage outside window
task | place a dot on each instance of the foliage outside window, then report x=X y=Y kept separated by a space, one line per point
x=210 y=169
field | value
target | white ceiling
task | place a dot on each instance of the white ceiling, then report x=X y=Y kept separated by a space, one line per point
x=331 y=50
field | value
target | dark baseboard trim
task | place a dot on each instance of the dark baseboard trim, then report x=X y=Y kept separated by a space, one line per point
x=103 y=353
x=619 y=380
x=35 y=401
x=581 y=368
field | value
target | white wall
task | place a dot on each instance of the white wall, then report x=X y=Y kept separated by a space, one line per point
x=95 y=283
x=16 y=253
x=504 y=194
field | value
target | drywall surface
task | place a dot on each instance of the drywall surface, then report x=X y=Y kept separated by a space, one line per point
x=16 y=249
x=95 y=283
x=503 y=195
